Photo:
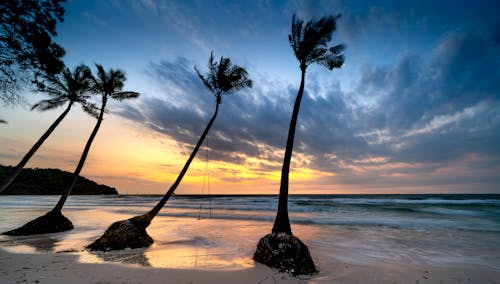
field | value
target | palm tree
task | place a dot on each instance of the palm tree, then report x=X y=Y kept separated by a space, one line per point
x=67 y=87
x=310 y=45
x=109 y=85
x=223 y=78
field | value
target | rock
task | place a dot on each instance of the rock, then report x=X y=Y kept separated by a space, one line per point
x=129 y=233
x=52 y=222
x=286 y=253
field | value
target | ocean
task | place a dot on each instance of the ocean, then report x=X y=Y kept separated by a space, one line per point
x=221 y=232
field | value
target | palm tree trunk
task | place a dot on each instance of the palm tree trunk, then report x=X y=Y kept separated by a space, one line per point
x=17 y=169
x=282 y=223
x=79 y=167
x=151 y=214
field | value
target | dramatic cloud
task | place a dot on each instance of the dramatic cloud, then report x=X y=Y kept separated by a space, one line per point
x=411 y=118
x=416 y=106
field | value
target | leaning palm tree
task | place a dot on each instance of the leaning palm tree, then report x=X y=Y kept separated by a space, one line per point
x=109 y=85
x=66 y=87
x=223 y=78
x=281 y=249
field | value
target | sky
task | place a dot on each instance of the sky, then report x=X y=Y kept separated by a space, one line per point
x=414 y=109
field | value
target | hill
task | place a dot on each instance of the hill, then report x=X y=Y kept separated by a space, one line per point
x=50 y=181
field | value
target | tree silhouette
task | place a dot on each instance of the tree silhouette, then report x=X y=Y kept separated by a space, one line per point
x=27 y=49
x=281 y=249
x=66 y=87
x=223 y=78
x=109 y=85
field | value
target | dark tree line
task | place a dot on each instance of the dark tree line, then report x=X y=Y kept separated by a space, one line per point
x=50 y=182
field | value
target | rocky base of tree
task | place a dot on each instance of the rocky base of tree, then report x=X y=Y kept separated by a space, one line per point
x=286 y=253
x=129 y=233
x=51 y=222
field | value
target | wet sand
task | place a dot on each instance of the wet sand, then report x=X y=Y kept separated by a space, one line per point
x=65 y=268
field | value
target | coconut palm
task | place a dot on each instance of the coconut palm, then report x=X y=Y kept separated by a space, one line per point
x=66 y=87
x=109 y=85
x=223 y=78
x=281 y=249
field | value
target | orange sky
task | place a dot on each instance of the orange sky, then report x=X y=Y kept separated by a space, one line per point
x=401 y=116
x=135 y=160
x=138 y=161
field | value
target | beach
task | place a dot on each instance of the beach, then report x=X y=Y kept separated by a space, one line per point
x=65 y=268
x=387 y=239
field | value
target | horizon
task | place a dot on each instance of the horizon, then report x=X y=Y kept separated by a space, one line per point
x=403 y=116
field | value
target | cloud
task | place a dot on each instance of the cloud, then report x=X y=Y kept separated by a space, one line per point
x=251 y=122
x=414 y=117
x=436 y=109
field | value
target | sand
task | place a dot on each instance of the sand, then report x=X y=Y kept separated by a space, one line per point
x=65 y=268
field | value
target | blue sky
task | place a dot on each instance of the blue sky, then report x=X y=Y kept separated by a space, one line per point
x=416 y=108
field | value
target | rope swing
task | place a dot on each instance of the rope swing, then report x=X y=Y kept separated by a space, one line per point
x=206 y=183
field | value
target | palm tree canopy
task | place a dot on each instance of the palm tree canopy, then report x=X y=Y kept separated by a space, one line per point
x=223 y=77
x=310 y=42
x=65 y=87
x=111 y=84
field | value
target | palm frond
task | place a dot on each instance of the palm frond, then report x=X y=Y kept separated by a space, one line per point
x=120 y=96
x=337 y=49
x=223 y=77
x=332 y=61
x=110 y=84
x=205 y=81
x=65 y=86
x=309 y=42
x=44 y=105
x=91 y=109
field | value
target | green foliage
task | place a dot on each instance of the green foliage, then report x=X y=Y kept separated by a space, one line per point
x=223 y=77
x=27 y=49
x=50 y=181
x=310 y=42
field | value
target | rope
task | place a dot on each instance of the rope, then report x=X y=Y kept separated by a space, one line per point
x=206 y=181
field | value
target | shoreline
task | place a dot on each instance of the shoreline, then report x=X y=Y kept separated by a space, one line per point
x=354 y=240
x=66 y=268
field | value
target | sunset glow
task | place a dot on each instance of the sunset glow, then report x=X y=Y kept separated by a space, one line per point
x=402 y=115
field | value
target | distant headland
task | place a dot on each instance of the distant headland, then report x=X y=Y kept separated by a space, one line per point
x=50 y=181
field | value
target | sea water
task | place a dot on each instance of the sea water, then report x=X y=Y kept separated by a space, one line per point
x=221 y=232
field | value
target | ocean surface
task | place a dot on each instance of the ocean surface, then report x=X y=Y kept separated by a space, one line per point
x=221 y=232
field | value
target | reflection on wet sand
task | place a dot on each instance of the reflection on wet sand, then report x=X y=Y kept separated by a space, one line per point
x=185 y=254
x=30 y=244
x=131 y=256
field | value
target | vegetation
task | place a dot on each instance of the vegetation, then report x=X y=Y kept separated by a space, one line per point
x=29 y=57
x=27 y=49
x=309 y=42
x=51 y=182
x=67 y=87
x=108 y=85
x=223 y=78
